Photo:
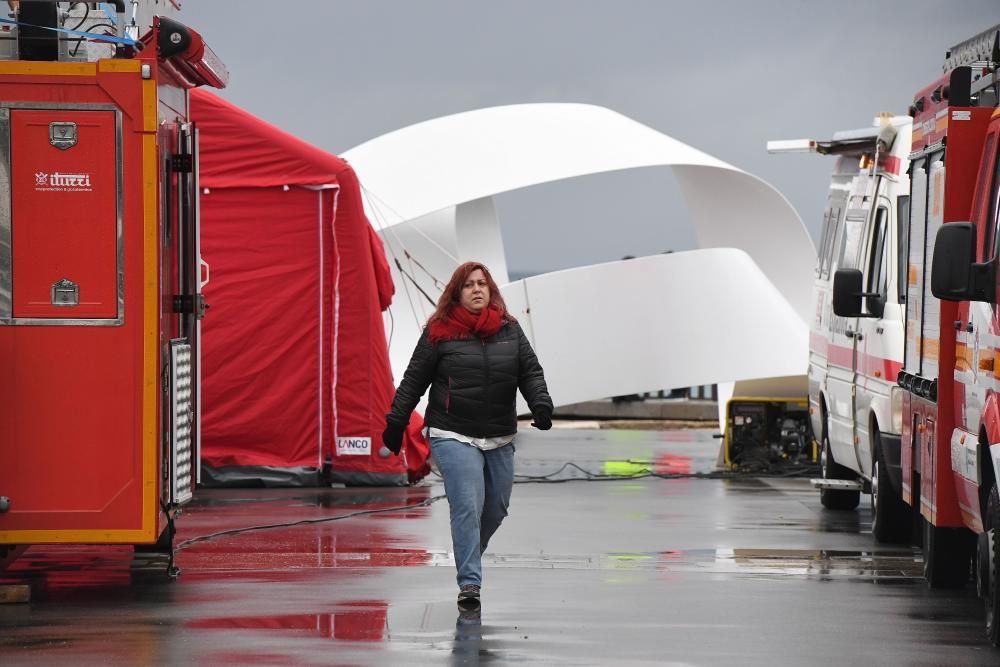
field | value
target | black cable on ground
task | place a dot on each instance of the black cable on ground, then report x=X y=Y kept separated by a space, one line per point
x=787 y=471
x=236 y=531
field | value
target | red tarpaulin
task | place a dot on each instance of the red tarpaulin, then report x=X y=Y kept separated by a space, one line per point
x=295 y=367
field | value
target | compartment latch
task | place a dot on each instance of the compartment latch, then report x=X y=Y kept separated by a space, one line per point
x=65 y=293
x=62 y=135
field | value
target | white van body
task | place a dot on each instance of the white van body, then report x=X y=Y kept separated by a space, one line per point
x=853 y=362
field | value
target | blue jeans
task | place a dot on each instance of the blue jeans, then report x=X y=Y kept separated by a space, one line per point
x=478 y=485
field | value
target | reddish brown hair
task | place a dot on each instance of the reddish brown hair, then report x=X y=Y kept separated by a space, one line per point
x=452 y=293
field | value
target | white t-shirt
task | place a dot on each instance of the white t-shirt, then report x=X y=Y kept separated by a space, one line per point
x=482 y=443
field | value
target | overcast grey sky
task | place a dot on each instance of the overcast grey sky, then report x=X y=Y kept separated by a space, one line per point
x=722 y=76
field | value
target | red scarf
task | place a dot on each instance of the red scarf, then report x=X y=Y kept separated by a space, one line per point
x=461 y=323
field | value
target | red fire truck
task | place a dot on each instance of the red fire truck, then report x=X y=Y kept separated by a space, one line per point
x=100 y=280
x=950 y=449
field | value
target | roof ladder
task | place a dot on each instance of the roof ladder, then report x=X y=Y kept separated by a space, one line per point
x=983 y=48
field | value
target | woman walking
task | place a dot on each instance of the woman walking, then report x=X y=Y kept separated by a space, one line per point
x=474 y=357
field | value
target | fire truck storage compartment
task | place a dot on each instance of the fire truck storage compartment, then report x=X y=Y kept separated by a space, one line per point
x=64 y=213
x=74 y=458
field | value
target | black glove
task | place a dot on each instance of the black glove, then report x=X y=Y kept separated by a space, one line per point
x=392 y=437
x=543 y=418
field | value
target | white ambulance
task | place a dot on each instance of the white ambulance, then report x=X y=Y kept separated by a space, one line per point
x=854 y=402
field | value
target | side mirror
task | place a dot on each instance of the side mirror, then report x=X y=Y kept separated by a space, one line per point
x=847 y=293
x=955 y=276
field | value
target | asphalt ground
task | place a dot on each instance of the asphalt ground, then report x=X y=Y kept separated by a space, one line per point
x=618 y=569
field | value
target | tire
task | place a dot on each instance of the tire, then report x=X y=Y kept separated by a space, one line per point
x=891 y=521
x=987 y=564
x=830 y=498
x=947 y=556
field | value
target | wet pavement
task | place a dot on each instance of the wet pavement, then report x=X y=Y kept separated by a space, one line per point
x=694 y=571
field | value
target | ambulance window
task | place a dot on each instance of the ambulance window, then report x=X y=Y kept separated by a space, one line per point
x=830 y=242
x=824 y=233
x=824 y=242
x=850 y=246
x=877 y=260
x=902 y=238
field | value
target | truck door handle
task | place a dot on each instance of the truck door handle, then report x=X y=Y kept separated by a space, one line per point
x=969 y=327
x=858 y=336
x=879 y=330
x=205 y=270
x=958 y=324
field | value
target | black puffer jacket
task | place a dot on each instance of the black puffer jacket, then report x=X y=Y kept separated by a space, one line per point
x=473 y=383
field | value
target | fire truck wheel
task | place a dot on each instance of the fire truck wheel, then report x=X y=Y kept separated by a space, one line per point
x=987 y=562
x=890 y=515
x=830 y=498
x=163 y=545
x=155 y=562
x=947 y=556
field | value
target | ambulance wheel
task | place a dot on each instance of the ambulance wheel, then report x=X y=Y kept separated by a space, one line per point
x=947 y=556
x=830 y=498
x=987 y=562
x=890 y=515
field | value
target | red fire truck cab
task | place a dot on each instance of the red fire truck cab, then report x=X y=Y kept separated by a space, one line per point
x=100 y=302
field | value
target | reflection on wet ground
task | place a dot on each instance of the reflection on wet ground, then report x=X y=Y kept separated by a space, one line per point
x=356 y=621
x=609 y=567
x=784 y=563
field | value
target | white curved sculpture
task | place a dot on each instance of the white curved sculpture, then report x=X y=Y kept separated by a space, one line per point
x=599 y=332
x=429 y=190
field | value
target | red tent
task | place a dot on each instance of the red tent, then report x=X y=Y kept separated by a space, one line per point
x=295 y=368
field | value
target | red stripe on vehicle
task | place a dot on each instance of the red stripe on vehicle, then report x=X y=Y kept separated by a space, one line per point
x=868 y=364
x=818 y=343
x=837 y=355
x=891 y=165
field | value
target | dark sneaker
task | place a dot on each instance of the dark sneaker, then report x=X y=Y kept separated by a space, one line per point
x=469 y=614
x=468 y=595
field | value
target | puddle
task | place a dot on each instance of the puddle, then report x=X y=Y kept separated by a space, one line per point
x=354 y=621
